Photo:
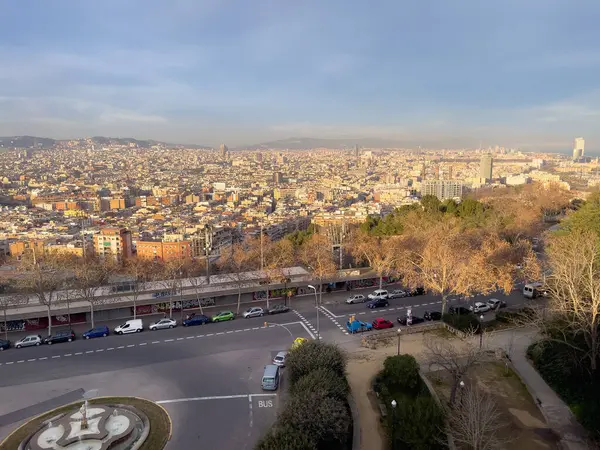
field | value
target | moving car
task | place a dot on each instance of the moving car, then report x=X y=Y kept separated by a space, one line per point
x=162 y=324
x=279 y=359
x=131 y=326
x=433 y=315
x=413 y=320
x=100 y=331
x=278 y=309
x=196 y=319
x=4 y=344
x=28 y=341
x=398 y=293
x=494 y=303
x=223 y=315
x=378 y=303
x=356 y=298
x=381 y=323
x=358 y=326
x=479 y=307
x=60 y=336
x=255 y=311
x=298 y=342
x=459 y=310
x=378 y=294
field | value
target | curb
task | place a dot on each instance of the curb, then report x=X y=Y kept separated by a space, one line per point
x=356 y=434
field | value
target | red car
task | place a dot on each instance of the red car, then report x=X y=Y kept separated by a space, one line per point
x=381 y=323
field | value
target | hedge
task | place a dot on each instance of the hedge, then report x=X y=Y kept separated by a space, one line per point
x=466 y=323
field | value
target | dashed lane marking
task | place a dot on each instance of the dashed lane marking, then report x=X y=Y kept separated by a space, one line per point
x=168 y=340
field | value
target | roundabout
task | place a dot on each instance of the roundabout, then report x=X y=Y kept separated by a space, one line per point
x=104 y=423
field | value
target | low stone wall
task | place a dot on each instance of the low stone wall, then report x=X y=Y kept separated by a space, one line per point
x=372 y=340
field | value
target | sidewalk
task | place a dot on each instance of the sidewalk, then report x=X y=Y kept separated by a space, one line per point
x=557 y=414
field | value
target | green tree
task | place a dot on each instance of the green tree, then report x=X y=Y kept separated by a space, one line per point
x=587 y=218
x=401 y=374
x=450 y=207
x=470 y=208
x=431 y=204
x=286 y=437
x=323 y=381
x=314 y=355
x=417 y=424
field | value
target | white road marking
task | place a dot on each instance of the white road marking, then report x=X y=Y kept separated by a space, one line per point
x=109 y=349
x=307 y=330
x=256 y=328
x=43 y=358
x=229 y=332
x=214 y=397
x=180 y=339
x=209 y=334
x=246 y=329
x=57 y=356
x=89 y=351
x=169 y=340
x=200 y=336
x=32 y=359
x=131 y=345
x=100 y=350
x=190 y=337
x=10 y=362
x=71 y=354
x=250 y=411
x=22 y=361
x=237 y=331
x=156 y=342
x=219 y=333
x=120 y=347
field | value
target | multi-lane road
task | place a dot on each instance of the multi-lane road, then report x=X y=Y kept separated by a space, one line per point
x=208 y=377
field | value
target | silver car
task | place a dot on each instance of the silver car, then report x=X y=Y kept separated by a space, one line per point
x=356 y=298
x=28 y=341
x=279 y=359
x=162 y=324
x=253 y=312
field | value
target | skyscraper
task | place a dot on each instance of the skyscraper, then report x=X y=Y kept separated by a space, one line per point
x=578 y=148
x=224 y=150
x=485 y=167
x=356 y=151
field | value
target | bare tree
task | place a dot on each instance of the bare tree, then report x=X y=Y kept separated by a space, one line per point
x=66 y=295
x=8 y=301
x=317 y=256
x=170 y=277
x=572 y=315
x=197 y=281
x=42 y=276
x=380 y=252
x=90 y=275
x=279 y=256
x=243 y=257
x=454 y=356
x=476 y=422
x=139 y=272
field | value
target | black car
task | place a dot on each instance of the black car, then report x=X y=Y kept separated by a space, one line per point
x=434 y=315
x=461 y=310
x=278 y=309
x=417 y=291
x=378 y=303
x=414 y=320
x=60 y=336
x=196 y=319
x=4 y=345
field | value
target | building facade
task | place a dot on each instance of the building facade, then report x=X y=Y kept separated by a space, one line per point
x=442 y=189
x=486 y=166
x=114 y=243
x=578 y=148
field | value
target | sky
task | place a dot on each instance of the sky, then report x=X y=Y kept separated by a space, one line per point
x=522 y=73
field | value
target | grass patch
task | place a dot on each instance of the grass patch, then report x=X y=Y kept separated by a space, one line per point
x=160 y=429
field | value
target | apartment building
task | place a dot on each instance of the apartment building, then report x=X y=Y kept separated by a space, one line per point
x=113 y=242
x=164 y=251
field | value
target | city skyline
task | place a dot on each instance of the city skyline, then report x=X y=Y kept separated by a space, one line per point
x=208 y=72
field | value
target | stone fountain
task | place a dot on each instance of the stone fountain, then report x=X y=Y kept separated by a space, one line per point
x=95 y=427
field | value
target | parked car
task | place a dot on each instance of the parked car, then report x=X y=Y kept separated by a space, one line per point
x=131 y=326
x=279 y=359
x=479 y=307
x=60 y=336
x=379 y=294
x=398 y=293
x=378 y=303
x=4 y=344
x=459 y=310
x=255 y=311
x=162 y=324
x=223 y=316
x=356 y=298
x=381 y=323
x=433 y=315
x=28 y=341
x=278 y=309
x=100 y=331
x=196 y=319
x=358 y=326
x=413 y=320
x=417 y=291
x=494 y=303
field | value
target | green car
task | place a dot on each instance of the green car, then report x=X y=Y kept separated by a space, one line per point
x=223 y=315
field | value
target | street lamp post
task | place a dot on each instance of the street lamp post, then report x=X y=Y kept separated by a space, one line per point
x=462 y=390
x=480 y=332
x=399 y=332
x=394 y=404
x=310 y=286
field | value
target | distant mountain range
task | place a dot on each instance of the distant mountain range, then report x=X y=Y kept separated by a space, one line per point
x=40 y=143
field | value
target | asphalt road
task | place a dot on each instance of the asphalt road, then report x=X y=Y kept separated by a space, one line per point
x=208 y=376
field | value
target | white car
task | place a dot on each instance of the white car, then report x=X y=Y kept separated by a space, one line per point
x=28 y=341
x=356 y=298
x=398 y=293
x=279 y=359
x=253 y=312
x=379 y=294
x=479 y=307
x=162 y=324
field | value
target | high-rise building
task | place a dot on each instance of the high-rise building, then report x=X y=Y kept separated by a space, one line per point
x=113 y=242
x=277 y=178
x=442 y=189
x=356 y=151
x=485 y=167
x=224 y=150
x=578 y=148
x=259 y=157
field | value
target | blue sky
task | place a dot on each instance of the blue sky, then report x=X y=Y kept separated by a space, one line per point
x=514 y=72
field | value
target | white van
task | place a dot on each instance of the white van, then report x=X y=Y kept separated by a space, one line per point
x=131 y=326
x=533 y=290
x=379 y=294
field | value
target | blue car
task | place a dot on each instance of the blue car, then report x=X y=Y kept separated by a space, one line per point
x=101 y=331
x=199 y=319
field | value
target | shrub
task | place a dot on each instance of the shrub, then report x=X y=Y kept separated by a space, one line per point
x=283 y=437
x=466 y=323
x=417 y=424
x=325 y=419
x=322 y=381
x=520 y=315
x=401 y=374
x=314 y=355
